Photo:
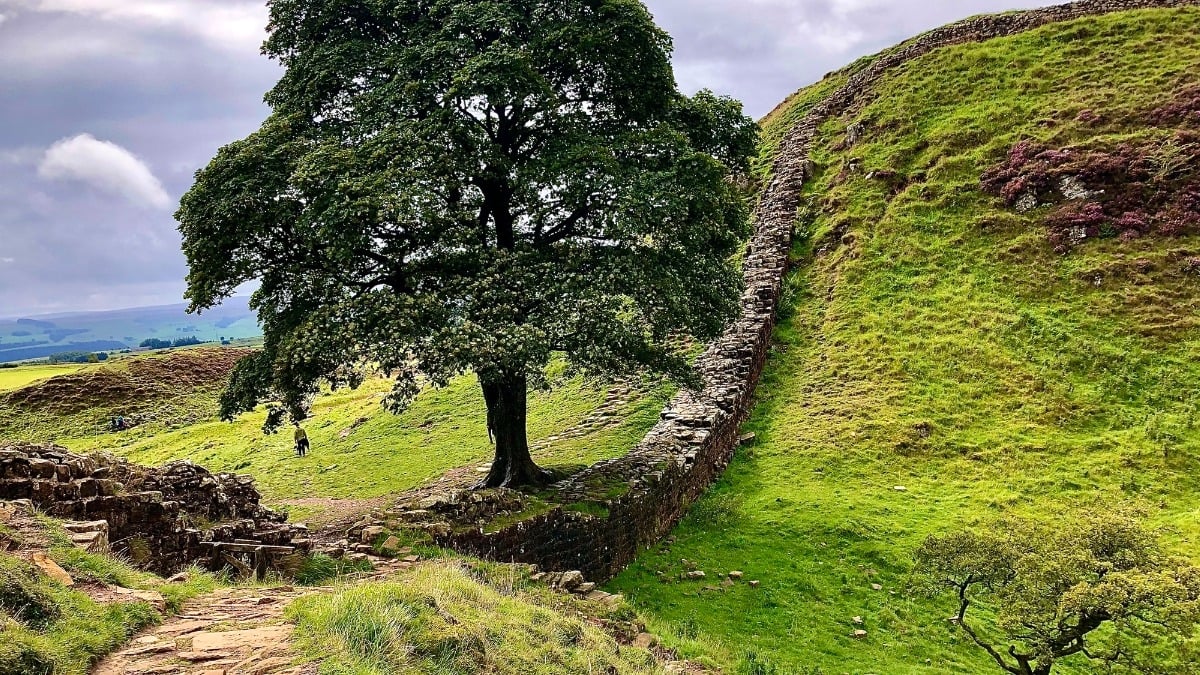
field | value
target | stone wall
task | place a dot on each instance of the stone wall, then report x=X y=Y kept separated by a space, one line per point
x=161 y=518
x=698 y=433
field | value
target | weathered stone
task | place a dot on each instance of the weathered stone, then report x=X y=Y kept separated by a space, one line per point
x=152 y=598
x=370 y=534
x=571 y=580
x=234 y=639
x=51 y=569
x=201 y=657
x=148 y=523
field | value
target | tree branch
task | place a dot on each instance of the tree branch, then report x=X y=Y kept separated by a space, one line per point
x=961 y=618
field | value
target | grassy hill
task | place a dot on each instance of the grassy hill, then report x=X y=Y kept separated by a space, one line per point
x=946 y=359
x=360 y=451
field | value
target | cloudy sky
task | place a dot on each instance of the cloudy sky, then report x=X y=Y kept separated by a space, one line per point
x=107 y=107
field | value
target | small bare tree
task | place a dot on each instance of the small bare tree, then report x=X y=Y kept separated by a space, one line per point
x=1097 y=587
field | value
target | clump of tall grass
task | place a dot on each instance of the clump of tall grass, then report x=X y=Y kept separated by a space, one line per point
x=447 y=618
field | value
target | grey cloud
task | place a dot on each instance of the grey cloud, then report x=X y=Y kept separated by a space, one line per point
x=170 y=81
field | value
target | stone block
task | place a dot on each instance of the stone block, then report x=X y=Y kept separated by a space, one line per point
x=42 y=468
x=65 y=491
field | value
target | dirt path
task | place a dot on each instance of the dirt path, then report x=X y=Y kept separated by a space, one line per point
x=232 y=631
x=332 y=517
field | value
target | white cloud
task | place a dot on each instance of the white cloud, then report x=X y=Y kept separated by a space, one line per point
x=105 y=166
x=8 y=261
x=3 y=18
x=240 y=26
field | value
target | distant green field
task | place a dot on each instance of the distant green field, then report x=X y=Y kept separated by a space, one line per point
x=15 y=378
x=940 y=365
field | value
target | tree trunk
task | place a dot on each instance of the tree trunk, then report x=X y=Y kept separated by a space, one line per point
x=513 y=467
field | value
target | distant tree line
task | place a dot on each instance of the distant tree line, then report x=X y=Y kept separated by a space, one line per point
x=156 y=343
x=77 y=357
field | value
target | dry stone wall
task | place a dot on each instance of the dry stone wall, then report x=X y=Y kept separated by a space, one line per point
x=162 y=518
x=695 y=439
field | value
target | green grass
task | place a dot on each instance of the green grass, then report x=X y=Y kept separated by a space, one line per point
x=15 y=378
x=361 y=451
x=320 y=568
x=947 y=351
x=450 y=618
x=71 y=630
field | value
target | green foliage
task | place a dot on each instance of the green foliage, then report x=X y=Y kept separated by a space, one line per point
x=76 y=357
x=447 y=618
x=470 y=186
x=1096 y=584
x=935 y=342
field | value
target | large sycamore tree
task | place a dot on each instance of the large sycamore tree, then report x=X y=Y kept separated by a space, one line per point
x=454 y=186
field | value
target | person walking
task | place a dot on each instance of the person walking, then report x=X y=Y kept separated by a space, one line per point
x=301 y=441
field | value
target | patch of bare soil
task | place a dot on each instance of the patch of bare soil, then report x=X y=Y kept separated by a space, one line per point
x=332 y=517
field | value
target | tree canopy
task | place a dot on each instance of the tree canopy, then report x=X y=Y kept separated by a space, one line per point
x=450 y=186
x=1097 y=588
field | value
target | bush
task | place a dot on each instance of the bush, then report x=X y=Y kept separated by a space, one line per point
x=1128 y=190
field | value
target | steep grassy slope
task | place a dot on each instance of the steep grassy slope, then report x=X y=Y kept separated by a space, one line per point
x=942 y=365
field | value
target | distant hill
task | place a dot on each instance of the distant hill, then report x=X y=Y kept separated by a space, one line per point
x=40 y=336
